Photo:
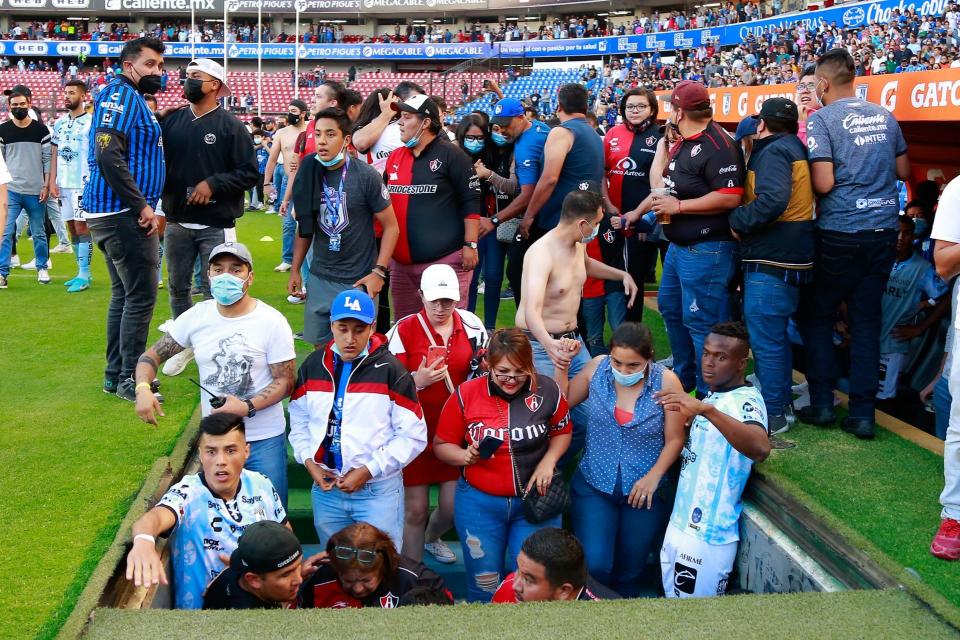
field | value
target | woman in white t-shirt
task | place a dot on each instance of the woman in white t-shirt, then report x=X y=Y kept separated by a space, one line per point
x=245 y=355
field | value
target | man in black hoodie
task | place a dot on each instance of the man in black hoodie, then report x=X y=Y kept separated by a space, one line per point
x=775 y=227
x=211 y=163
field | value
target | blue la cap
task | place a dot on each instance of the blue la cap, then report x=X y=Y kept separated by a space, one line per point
x=506 y=110
x=355 y=304
x=747 y=127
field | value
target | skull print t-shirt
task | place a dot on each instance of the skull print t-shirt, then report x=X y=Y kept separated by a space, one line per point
x=234 y=357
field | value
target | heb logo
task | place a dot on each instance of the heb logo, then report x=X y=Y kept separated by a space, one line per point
x=73 y=48
x=28 y=4
x=30 y=48
x=71 y=4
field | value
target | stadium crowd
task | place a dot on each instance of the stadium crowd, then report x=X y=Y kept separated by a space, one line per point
x=393 y=225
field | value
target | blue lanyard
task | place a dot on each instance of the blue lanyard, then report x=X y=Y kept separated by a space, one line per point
x=341 y=389
x=338 y=221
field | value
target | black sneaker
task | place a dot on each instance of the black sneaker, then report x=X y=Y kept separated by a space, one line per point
x=110 y=387
x=506 y=294
x=127 y=390
x=822 y=416
x=863 y=428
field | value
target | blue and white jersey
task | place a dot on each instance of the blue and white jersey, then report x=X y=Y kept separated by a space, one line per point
x=71 y=137
x=713 y=474
x=208 y=526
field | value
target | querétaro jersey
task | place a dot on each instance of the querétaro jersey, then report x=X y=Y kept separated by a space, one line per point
x=628 y=155
x=713 y=474
x=208 y=526
x=703 y=163
x=119 y=109
x=911 y=281
x=525 y=424
x=432 y=195
x=71 y=137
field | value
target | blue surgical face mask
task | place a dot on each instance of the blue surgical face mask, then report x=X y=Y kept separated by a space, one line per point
x=415 y=140
x=226 y=288
x=366 y=350
x=594 y=234
x=499 y=139
x=473 y=146
x=625 y=379
x=334 y=160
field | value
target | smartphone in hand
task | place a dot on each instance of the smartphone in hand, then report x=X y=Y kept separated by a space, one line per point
x=488 y=446
x=435 y=353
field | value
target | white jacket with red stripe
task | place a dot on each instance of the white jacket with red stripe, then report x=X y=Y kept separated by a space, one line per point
x=382 y=424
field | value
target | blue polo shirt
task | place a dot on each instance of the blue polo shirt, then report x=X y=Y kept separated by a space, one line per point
x=528 y=153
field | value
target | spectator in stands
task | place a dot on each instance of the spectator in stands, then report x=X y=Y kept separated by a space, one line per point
x=363 y=569
x=25 y=146
x=436 y=196
x=775 y=228
x=339 y=200
x=573 y=154
x=441 y=347
x=206 y=512
x=854 y=170
x=621 y=494
x=526 y=413
x=727 y=435
x=807 y=100
x=551 y=566
x=355 y=423
x=705 y=179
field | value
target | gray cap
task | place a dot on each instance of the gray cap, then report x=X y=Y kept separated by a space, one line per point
x=233 y=249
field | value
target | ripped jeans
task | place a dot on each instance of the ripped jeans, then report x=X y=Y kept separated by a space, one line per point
x=491 y=531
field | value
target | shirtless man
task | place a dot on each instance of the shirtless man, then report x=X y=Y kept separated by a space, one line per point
x=283 y=143
x=554 y=270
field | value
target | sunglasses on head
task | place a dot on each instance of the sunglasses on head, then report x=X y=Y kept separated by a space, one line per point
x=363 y=556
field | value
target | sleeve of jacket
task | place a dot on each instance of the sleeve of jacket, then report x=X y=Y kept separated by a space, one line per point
x=300 y=419
x=243 y=158
x=773 y=185
x=303 y=196
x=409 y=428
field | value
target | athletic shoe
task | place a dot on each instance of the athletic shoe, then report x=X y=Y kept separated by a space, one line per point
x=821 y=416
x=71 y=281
x=283 y=267
x=296 y=299
x=160 y=284
x=14 y=261
x=481 y=288
x=790 y=415
x=79 y=284
x=778 y=425
x=860 y=427
x=175 y=365
x=506 y=294
x=195 y=291
x=946 y=544
x=43 y=277
x=3 y=282
x=110 y=387
x=440 y=551
x=62 y=248
x=32 y=265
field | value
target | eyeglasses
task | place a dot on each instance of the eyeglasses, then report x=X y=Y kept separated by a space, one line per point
x=479 y=138
x=635 y=108
x=442 y=303
x=807 y=86
x=502 y=377
x=363 y=556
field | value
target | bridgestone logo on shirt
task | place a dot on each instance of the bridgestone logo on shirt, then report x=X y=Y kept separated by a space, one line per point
x=412 y=189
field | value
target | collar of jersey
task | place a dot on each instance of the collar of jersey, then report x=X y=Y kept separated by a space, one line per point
x=239 y=486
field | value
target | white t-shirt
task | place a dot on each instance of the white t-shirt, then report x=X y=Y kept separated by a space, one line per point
x=5 y=176
x=234 y=354
x=381 y=150
x=946 y=226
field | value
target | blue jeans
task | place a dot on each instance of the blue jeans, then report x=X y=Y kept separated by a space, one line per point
x=941 y=404
x=493 y=254
x=852 y=268
x=278 y=175
x=269 y=457
x=377 y=503
x=694 y=295
x=579 y=414
x=289 y=229
x=768 y=303
x=491 y=530
x=616 y=538
x=35 y=213
x=615 y=304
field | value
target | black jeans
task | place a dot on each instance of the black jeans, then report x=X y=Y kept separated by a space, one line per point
x=132 y=258
x=181 y=246
x=851 y=268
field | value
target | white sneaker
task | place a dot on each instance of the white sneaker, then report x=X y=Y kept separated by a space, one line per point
x=175 y=365
x=32 y=265
x=62 y=248
x=14 y=261
x=43 y=277
x=165 y=326
x=296 y=299
x=481 y=288
x=441 y=551
x=283 y=267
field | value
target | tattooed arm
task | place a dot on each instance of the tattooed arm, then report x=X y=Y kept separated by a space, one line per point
x=148 y=407
x=283 y=375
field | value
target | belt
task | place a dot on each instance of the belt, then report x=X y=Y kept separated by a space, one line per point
x=573 y=333
x=790 y=276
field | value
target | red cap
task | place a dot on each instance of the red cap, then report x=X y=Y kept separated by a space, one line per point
x=690 y=95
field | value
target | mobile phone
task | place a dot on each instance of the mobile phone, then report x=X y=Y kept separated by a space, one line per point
x=488 y=446
x=436 y=352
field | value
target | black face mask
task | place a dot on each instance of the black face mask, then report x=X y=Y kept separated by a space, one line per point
x=293 y=118
x=193 y=90
x=148 y=84
x=20 y=113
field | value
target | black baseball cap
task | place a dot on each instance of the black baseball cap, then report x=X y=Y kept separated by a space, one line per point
x=19 y=88
x=782 y=109
x=265 y=546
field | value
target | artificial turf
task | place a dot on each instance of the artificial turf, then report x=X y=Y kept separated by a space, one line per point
x=853 y=614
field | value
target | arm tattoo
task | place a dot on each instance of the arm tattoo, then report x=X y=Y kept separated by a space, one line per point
x=145 y=359
x=283 y=377
x=167 y=347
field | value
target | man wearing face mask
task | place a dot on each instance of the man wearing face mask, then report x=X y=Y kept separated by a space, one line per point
x=244 y=351
x=210 y=165
x=127 y=171
x=283 y=153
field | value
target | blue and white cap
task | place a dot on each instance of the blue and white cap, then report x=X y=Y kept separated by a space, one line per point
x=353 y=303
x=506 y=110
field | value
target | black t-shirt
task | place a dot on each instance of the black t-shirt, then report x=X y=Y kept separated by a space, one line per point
x=225 y=592
x=707 y=162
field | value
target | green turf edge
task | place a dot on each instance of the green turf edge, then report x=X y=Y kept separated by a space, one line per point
x=923 y=592
x=110 y=545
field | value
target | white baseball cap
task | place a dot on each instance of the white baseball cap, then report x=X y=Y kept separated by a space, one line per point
x=439 y=281
x=213 y=69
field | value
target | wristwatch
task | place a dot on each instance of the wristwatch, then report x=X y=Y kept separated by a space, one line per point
x=252 y=410
x=495 y=220
x=472 y=245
